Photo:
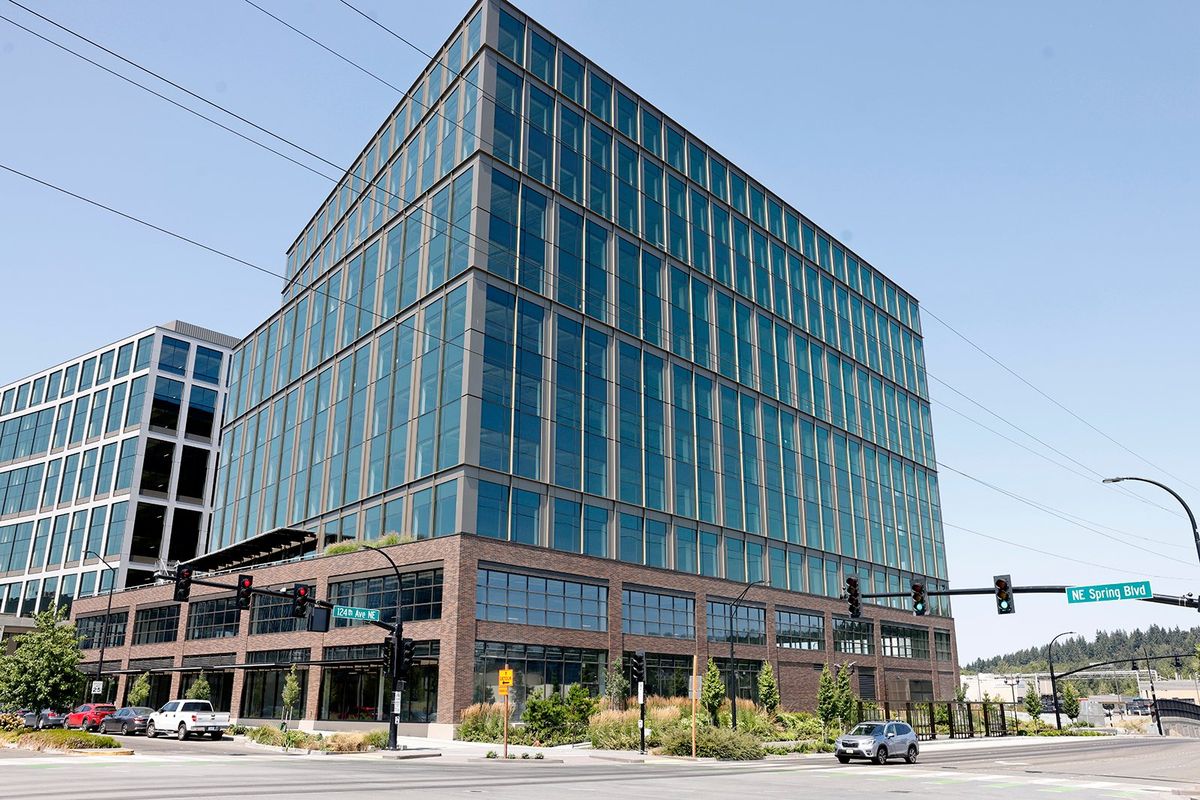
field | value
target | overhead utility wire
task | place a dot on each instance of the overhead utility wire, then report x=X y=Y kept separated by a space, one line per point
x=277 y=136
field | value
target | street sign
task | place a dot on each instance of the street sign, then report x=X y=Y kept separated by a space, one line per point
x=506 y=677
x=397 y=701
x=1131 y=590
x=503 y=690
x=360 y=614
x=97 y=687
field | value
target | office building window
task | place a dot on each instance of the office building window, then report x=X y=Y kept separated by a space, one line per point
x=91 y=629
x=650 y=614
x=855 y=636
x=800 y=630
x=420 y=596
x=156 y=625
x=903 y=641
x=749 y=624
x=213 y=619
x=534 y=600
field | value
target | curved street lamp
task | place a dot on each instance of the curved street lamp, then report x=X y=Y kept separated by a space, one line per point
x=1175 y=494
x=396 y=631
x=1053 y=680
x=104 y=625
x=732 y=671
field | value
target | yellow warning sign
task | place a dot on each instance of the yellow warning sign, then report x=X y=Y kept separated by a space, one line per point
x=506 y=677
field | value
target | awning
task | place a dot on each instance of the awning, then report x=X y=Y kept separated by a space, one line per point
x=265 y=548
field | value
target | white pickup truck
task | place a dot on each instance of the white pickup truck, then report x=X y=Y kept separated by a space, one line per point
x=186 y=717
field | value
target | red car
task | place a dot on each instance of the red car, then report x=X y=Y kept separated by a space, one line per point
x=87 y=717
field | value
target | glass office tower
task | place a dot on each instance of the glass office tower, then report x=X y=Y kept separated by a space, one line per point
x=108 y=456
x=538 y=310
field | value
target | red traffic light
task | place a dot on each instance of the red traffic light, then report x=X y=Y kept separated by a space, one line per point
x=302 y=591
x=247 y=582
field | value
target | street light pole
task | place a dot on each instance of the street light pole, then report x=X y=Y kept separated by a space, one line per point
x=397 y=632
x=108 y=613
x=1053 y=680
x=1153 y=693
x=1175 y=494
x=1013 y=683
x=732 y=672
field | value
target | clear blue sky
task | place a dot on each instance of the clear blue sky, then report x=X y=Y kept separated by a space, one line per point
x=1027 y=170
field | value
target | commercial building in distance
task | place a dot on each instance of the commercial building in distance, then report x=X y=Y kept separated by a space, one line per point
x=604 y=378
x=108 y=457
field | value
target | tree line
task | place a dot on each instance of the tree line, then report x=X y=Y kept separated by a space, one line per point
x=1118 y=645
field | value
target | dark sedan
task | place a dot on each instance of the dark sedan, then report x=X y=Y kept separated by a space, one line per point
x=48 y=718
x=130 y=719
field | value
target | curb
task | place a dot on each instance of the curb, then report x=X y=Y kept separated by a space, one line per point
x=638 y=759
x=123 y=751
x=404 y=755
x=515 y=760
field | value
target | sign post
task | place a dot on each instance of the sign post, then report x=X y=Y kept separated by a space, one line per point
x=1102 y=592
x=695 y=697
x=506 y=681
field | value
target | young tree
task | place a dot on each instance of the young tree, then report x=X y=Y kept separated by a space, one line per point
x=960 y=694
x=768 y=688
x=616 y=687
x=712 y=692
x=291 y=693
x=43 y=672
x=200 y=690
x=1033 y=701
x=844 y=694
x=1070 y=700
x=139 y=692
x=827 y=705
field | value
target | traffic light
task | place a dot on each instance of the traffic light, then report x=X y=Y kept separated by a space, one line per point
x=853 y=596
x=183 y=583
x=301 y=599
x=920 y=605
x=244 y=594
x=1004 y=594
x=407 y=649
x=389 y=654
x=637 y=668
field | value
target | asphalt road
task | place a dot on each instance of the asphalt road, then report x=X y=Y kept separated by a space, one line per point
x=229 y=771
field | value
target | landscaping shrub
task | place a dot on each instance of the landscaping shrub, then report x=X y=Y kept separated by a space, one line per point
x=720 y=743
x=12 y=722
x=614 y=730
x=799 y=725
x=482 y=722
x=347 y=743
x=377 y=739
x=301 y=740
x=545 y=718
x=65 y=740
x=236 y=730
x=752 y=720
x=265 y=734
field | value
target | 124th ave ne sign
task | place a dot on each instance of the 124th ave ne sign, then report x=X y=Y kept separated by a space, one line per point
x=1133 y=590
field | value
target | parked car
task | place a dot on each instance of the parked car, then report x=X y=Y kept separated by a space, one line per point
x=1140 y=706
x=186 y=717
x=130 y=719
x=878 y=740
x=88 y=716
x=46 y=718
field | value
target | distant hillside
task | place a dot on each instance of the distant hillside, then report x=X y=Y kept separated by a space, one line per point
x=1071 y=652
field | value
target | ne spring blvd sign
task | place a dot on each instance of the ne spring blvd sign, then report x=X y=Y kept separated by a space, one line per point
x=1133 y=590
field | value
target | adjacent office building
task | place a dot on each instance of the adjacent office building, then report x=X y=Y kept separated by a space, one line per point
x=106 y=467
x=604 y=378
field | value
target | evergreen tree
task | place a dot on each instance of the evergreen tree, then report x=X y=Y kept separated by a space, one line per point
x=1033 y=701
x=139 y=692
x=43 y=671
x=712 y=692
x=768 y=688
x=844 y=696
x=1070 y=700
x=827 y=705
x=200 y=690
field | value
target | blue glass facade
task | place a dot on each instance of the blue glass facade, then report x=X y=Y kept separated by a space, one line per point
x=537 y=309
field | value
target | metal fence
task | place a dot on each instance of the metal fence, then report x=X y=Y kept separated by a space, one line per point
x=949 y=720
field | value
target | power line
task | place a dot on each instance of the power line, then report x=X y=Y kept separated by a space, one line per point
x=288 y=141
x=224 y=254
x=1009 y=543
x=1068 y=517
x=1022 y=379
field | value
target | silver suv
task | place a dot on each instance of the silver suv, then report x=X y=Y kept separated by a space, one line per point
x=879 y=741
